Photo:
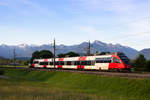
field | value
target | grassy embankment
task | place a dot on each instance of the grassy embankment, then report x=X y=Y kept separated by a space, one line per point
x=25 y=66
x=25 y=85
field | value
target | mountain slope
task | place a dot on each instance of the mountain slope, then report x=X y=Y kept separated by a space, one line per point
x=24 y=50
x=145 y=52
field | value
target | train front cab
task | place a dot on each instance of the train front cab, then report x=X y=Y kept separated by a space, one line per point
x=118 y=64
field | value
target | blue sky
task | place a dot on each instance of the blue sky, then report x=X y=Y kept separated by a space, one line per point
x=126 y=22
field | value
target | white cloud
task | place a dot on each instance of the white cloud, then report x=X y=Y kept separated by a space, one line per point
x=140 y=28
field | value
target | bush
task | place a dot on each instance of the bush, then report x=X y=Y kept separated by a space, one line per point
x=1 y=72
x=140 y=63
x=148 y=65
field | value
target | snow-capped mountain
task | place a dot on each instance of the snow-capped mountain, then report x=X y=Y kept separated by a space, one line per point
x=24 y=50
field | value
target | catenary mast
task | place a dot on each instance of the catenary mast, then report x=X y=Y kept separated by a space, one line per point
x=54 y=53
x=89 y=49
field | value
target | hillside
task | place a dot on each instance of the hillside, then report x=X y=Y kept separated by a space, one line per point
x=40 y=85
x=25 y=50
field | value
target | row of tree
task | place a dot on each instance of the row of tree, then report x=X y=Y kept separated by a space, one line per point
x=48 y=54
x=69 y=54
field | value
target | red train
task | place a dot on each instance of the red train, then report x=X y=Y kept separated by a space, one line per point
x=108 y=62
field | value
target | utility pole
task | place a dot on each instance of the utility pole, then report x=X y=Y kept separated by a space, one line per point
x=89 y=49
x=14 y=58
x=54 y=53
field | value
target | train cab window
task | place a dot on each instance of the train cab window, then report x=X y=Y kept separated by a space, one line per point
x=115 y=60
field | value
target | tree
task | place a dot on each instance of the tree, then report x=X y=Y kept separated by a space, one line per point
x=41 y=54
x=61 y=55
x=140 y=63
x=45 y=54
x=148 y=65
x=69 y=54
x=72 y=54
x=36 y=55
x=104 y=53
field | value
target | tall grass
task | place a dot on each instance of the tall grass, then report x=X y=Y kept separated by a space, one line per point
x=72 y=86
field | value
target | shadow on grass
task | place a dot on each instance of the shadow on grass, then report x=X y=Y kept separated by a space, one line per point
x=1 y=72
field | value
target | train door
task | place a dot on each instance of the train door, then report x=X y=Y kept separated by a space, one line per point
x=78 y=64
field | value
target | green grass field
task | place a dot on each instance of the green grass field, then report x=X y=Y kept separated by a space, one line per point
x=14 y=66
x=34 y=85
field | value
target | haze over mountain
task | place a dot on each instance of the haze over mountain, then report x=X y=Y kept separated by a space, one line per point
x=145 y=52
x=24 y=50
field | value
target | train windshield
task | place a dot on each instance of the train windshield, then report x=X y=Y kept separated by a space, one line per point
x=124 y=58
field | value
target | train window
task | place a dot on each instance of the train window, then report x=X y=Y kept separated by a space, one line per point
x=88 y=62
x=72 y=63
x=51 y=63
x=61 y=63
x=83 y=62
x=103 y=60
x=93 y=62
x=99 y=61
x=56 y=63
x=77 y=63
x=68 y=62
x=65 y=62
x=36 y=62
x=43 y=63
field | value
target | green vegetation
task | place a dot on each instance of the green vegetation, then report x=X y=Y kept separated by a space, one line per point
x=41 y=54
x=140 y=64
x=29 y=85
x=69 y=54
x=10 y=62
x=25 y=66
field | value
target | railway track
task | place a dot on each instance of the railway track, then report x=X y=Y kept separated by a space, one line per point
x=114 y=74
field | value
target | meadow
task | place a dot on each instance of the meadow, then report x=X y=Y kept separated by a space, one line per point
x=18 y=84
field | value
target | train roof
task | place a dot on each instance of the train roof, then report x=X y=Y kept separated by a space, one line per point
x=75 y=58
